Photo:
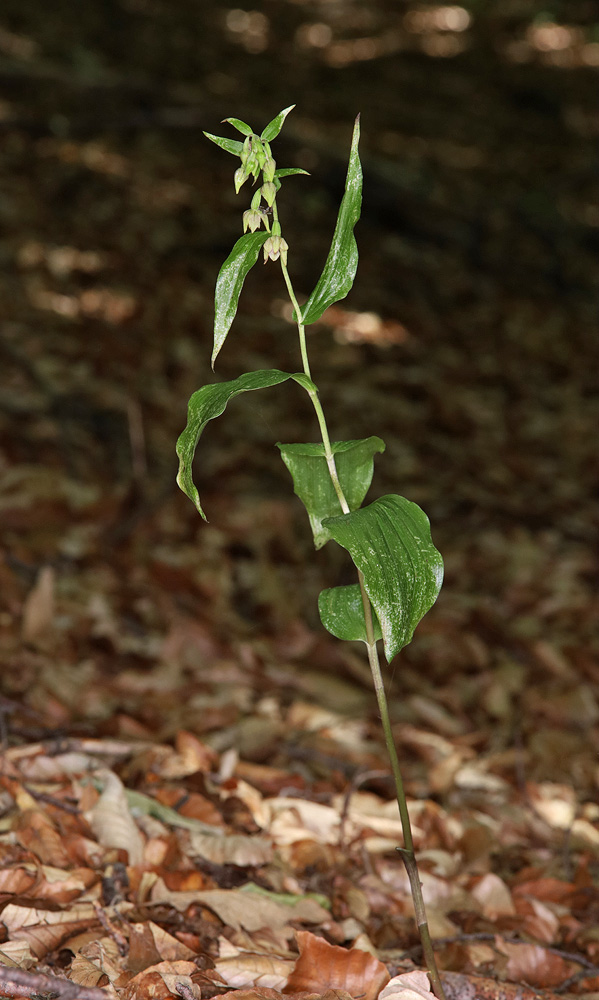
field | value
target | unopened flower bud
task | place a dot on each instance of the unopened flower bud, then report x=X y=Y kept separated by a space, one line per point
x=240 y=178
x=268 y=192
x=269 y=169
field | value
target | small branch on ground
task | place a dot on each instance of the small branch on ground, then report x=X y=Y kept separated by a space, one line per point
x=18 y=982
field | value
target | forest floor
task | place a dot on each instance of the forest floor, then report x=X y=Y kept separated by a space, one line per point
x=194 y=785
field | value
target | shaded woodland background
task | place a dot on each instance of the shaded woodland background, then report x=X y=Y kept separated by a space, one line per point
x=469 y=344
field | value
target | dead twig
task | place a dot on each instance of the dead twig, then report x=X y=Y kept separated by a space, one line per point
x=17 y=982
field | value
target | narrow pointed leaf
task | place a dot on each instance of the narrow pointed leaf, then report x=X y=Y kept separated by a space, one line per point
x=390 y=543
x=289 y=171
x=239 y=125
x=342 y=613
x=342 y=263
x=209 y=402
x=274 y=127
x=354 y=461
x=230 y=145
x=229 y=283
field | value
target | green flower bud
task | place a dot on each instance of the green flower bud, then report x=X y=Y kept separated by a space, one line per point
x=259 y=151
x=269 y=169
x=240 y=178
x=247 y=149
x=268 y=192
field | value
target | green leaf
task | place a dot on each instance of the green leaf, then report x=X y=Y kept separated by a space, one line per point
x=274 y=127
x=289 y=171
x=390 y=543
x=342 y=613
x=239 y=125
x=229 y=283
x=209 y=402
x=354 y=461
x=342 y=263
x=230 y=145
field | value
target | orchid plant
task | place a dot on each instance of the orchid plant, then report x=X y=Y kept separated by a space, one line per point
x=399 y=570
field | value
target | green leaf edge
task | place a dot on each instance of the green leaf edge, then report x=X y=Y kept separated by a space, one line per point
x=229 y=145
x=210 y=401
x=328 y=289
x=229 y=285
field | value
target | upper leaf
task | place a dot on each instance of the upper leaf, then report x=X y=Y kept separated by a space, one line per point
x=230 y=145
x=390 y=543
x=229 y=283
x=354 y=461
x=209 y=402
x=288 y=171
x=239 y=125
x=342 y=263
x=274 y=127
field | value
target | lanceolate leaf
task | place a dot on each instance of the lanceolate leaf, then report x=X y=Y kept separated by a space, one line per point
x=289 y=171
x=390 y=542
x=229 y=283
x=209 y=402
x=230 y=145
x=274 y=127
x=342 y=613
x=239 y=125
x=354 y=461
x=340 y=269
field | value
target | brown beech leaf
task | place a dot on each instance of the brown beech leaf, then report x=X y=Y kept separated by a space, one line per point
x=38 y=834
x=533 y=964
x=323 y=966
x=161 y=980
x=15 y=882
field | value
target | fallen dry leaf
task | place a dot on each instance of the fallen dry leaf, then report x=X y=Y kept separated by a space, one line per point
x=322 y=966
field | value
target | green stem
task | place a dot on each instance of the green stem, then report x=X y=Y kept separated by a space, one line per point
x=407 y=851
x=300 y=326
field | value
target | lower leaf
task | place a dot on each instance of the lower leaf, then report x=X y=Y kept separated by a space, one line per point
x=342 y=613
x=390 y=543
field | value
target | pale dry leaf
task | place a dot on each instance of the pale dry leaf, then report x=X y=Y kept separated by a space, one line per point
x=38 y=608
x=168 y=947
x=408 y=986
x=230 y=849
x=111 y=819
x=244 y=910
x=84 y=972
x=494 y=897
x=104 y=954
x=250 y=969
x=17 y=953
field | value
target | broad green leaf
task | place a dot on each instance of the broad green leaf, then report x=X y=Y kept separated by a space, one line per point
x=239 y=125
x=289 y=171
x=209 y=402
x=274 y=127
x=390 y=543
x=342 y=263
x=342 y=613
x=230 y=145
x=229 y=283
x=354 y=461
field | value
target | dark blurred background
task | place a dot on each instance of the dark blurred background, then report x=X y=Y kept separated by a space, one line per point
x=469 y=342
